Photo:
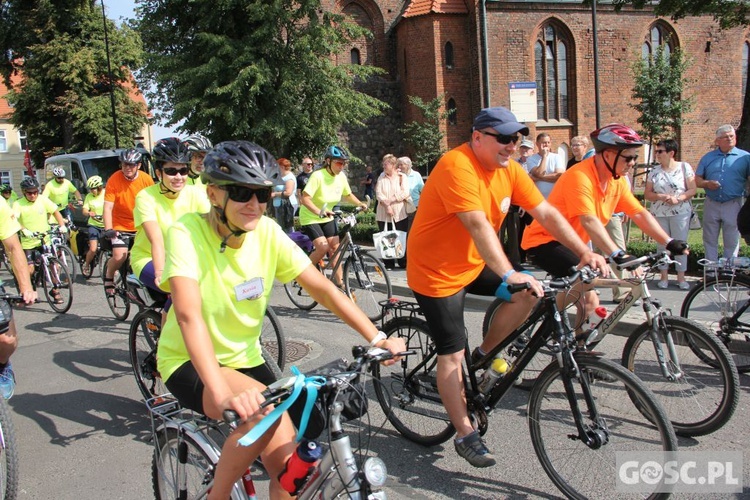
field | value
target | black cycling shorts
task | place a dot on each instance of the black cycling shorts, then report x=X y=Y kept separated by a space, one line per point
x=555 y=258
x=445 y=315
x=187 y=386
x=325 y=230
x=124 y=240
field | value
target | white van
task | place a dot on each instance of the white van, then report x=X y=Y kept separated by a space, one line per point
x=80 y=166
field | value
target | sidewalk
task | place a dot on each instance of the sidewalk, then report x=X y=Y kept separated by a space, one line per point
x=670 y=298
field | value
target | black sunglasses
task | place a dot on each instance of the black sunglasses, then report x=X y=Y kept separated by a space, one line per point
x=243 y=194
x=628 y=159
x=174 y=171
x=502 y=138
x=659 y=151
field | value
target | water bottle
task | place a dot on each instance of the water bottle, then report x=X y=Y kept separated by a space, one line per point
x=496 y=370
x=299 y=464
x=594 y=321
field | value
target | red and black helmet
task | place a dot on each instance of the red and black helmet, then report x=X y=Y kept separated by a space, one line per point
x=615 y=136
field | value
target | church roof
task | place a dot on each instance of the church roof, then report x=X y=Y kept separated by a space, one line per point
x=422 y=7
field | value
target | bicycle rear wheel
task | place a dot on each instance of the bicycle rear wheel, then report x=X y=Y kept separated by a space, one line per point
x=407 y=391
x=58 y=286
x=272 y=337
x=702 y=389
x=580 y=470
x=367 y=283
x=8 y=454
x=118 y=302
x=714 y=303
x=143 y=339
x=542 y=357
x=196 y=465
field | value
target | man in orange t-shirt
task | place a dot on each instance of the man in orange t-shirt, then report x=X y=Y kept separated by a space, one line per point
x=587 y=195
x=454 y=249
x=119 y=202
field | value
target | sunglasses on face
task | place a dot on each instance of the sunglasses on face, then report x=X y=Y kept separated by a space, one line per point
x=243 y=194
x=174 y=171
x=660 y=151
x=628 y=159
x=502 y=138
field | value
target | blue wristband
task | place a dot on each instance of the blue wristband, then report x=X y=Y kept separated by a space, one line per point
x=616 y=253
x=507 y=275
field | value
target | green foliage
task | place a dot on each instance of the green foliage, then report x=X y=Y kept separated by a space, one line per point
x=62 y=100
x=425 y=135
x=257 y=70
x=658 y=93
x=728 y=13
x=697 y=252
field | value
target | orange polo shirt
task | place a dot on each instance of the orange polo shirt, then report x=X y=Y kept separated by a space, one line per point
x=121 y=192
x=578 y=192
x=443 y=258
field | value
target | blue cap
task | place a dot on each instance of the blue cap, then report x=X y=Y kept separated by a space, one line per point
x=501 y=120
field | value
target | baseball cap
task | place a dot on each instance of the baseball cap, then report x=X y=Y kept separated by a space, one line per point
x=501 y=120
x=526 y=144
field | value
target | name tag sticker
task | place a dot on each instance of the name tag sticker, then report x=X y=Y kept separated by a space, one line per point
x=251 y=289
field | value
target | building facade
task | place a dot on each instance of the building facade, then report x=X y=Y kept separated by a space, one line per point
x=470 y=50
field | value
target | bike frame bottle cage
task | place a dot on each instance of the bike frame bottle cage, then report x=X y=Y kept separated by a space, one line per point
x=311 y=385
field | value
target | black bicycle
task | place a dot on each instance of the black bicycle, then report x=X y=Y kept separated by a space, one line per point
x=8 y=446
x=582 y=410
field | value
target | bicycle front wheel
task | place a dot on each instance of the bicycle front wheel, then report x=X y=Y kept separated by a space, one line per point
x=701 y=388
x=714 y=303
x=175 y=458
x=367 y=283
x=143 y=339
x=118 y=301
x=407 y=390
x=58 y=286
x=605 y=390
x=272 y=337
x=66 y=256
x=8 y=454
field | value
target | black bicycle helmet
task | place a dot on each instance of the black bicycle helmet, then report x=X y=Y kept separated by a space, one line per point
x=615 y=136
x=130 y=155
x=170 y=149
x=336 y=153
x=29 y=183
x=198 y=143
x=5 y=188
x=240 y=162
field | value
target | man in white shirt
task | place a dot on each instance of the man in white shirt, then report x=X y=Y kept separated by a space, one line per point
x=545 y=167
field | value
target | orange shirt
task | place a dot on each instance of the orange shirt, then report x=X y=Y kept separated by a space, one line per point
x=578 y=192
x=443 y=258
x=121 y=192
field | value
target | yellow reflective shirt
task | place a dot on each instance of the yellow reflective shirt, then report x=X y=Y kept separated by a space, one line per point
x=234 y=287
x=8 y=223
x=325 y=190
x=59 y=193
x=152 y=206
x=95 y=205
x=33 y=216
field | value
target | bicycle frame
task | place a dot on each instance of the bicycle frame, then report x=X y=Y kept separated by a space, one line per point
x=732 y=322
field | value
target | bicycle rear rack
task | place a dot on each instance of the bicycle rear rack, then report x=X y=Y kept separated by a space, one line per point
x=399 y=308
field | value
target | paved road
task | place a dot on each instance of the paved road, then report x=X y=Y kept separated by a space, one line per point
x=83 y=432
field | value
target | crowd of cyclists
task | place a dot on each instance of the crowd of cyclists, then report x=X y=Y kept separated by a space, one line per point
x=198 y=231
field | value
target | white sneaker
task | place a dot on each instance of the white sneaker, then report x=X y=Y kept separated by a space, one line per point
x=662 y=284
x=684 y=285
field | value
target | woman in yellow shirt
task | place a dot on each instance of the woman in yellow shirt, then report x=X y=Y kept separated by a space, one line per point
x=220 y=269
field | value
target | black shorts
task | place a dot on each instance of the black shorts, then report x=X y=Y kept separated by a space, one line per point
x=94 y=233
x=187 y=387
x=555 y=258
x=325 y=230
x=445 y=315
x=124 y=240
x=31 y=254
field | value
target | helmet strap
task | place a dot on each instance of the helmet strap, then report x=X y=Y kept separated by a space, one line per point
x=612 y=169
x=233 y=231
x=163 y=189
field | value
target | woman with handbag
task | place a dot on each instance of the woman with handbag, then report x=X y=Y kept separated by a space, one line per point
x=392 y=190
x=669 y=188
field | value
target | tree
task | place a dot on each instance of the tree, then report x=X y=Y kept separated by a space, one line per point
x=425 y=136
x=658 y=93
x=62 y=101
x=255 y=70
x=728 y=13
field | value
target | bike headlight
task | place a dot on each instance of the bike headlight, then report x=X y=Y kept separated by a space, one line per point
x=375 y=471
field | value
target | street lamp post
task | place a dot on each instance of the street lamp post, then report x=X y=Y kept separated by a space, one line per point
x=111 y=79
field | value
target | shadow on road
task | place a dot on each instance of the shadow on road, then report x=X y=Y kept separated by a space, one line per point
x=97 y=364
x=96 y=412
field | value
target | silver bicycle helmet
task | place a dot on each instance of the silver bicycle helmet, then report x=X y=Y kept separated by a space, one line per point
x=240 y=162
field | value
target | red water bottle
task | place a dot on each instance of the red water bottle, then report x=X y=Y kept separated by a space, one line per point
x=299 y=464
